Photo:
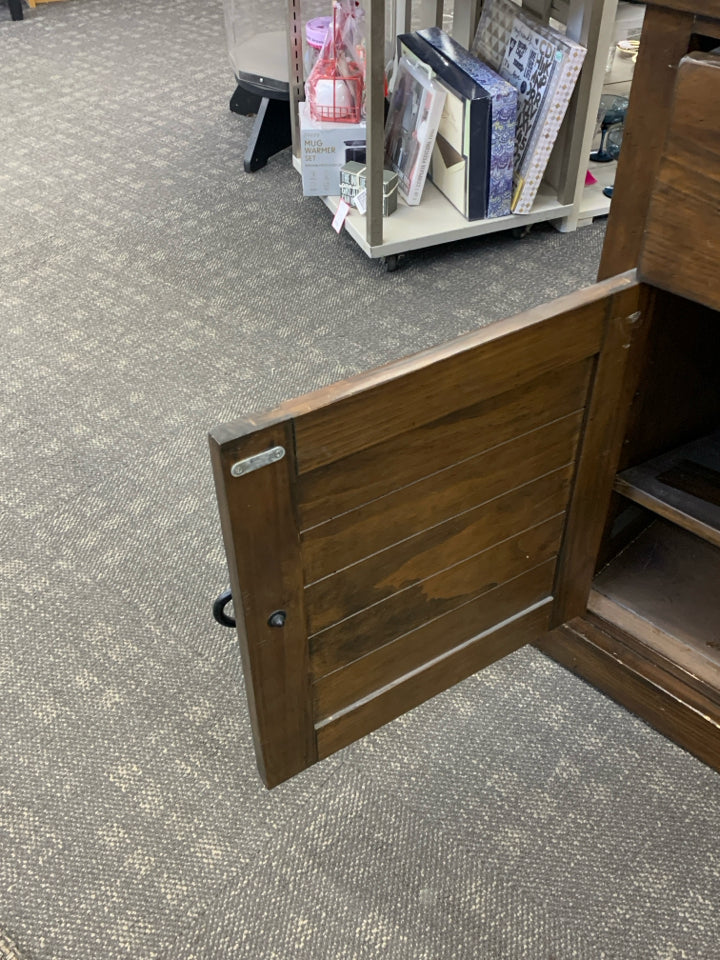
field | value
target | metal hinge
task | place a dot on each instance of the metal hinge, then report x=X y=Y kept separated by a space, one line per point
x=263 y=459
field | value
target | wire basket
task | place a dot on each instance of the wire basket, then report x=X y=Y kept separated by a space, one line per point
x=335 y=86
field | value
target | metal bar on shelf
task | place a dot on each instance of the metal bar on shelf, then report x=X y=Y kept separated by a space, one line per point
x=466 y=15
x=465 y=21
x=375 y=103
x=590 y=22
x=541 y=8
x=295 y=69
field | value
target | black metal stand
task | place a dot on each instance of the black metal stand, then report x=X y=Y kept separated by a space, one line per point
x=270 y=134
x=16 y=10
x=269 y=102
x=244 y=102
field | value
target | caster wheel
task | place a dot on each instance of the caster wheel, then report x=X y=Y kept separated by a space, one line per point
x=391 y=263
x=520 y=232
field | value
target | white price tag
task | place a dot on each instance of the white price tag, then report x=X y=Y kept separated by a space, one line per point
x=361 y=202
x=340 y=216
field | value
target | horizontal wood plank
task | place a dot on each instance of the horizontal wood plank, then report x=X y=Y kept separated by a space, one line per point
x=580 y=319
x=669 y=579
x=443 y=546
x=683 y=654
x=381 y=523
x=443 y=672
x=360 y=679
x=348 y=483
x=506 y=359
x=405 y=611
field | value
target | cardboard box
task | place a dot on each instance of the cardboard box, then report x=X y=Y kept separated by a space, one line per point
x=324 y=149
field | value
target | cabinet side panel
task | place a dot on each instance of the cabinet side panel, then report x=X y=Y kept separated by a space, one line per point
x=665 y=40
x=681 y=249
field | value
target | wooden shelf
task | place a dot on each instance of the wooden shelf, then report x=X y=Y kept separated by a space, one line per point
x=682 y=485
x=663 y=589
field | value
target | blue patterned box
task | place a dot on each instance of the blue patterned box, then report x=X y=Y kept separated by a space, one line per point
x=504 y=114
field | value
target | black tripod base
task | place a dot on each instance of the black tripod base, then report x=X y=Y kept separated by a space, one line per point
x=271 y=132
x=244 y=102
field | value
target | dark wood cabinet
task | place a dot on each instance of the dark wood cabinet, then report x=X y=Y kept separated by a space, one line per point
x=552 y=478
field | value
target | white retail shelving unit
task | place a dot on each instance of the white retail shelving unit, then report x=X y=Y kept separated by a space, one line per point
x=563 y=198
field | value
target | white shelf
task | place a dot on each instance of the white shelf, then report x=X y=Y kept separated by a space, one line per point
x=593 y=202
x=436 y=221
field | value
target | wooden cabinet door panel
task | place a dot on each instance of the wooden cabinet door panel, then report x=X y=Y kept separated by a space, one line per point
x=405 y=528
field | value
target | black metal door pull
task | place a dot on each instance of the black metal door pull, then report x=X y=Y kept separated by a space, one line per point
x=276 y=619
x=219 y=609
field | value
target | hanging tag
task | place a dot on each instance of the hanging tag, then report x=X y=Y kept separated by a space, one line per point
x=361 y=202
x=340 y=216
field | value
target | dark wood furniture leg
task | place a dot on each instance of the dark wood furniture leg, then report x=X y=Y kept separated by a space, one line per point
x=16 y=10
x=665 y=40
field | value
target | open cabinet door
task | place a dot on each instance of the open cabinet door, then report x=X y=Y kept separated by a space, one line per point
x=392 y=534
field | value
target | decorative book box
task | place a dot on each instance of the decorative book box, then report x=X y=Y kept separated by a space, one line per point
x=543 y=64
x=503 y=111
x=463 y=156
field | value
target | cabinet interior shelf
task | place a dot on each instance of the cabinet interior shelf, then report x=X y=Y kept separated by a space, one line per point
x=683 y=486
x=663 y=590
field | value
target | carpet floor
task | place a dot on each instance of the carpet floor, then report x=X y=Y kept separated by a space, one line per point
x=149 y=290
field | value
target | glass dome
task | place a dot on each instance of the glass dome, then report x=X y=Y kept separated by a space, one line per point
x=256 y=35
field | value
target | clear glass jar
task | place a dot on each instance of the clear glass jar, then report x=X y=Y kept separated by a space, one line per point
x=315 y=33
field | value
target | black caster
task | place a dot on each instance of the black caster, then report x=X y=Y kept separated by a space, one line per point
x=520 y=233
x=392 y=262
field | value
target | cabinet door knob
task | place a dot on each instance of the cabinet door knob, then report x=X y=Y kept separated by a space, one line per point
x=277 y=619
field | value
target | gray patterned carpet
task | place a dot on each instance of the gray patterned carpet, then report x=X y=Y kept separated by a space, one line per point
x=149 y=290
